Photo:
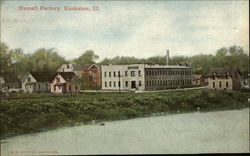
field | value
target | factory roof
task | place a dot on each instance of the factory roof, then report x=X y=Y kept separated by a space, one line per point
x=167 y=66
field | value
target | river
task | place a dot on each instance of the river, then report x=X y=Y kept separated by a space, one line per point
x=212 y=132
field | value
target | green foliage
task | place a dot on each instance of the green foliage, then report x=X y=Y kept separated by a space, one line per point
x=88 y=57
x=15 y=60
x=32 y=112
x=234 y=56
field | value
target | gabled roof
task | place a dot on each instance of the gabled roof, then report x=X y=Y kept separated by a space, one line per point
x=68 y=76
x=222 y=72
x=81 y=67
x=43 y=76
x=10 y=78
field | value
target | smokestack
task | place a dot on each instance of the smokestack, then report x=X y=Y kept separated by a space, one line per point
x=167 y=57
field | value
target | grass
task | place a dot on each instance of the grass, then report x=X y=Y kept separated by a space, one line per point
x=33 y=112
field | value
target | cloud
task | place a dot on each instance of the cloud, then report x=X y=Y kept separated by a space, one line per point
x=140 y=29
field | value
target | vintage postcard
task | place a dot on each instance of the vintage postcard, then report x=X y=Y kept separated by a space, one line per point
x=124 y=77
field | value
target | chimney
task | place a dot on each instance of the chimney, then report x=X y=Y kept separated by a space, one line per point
x=167 y=57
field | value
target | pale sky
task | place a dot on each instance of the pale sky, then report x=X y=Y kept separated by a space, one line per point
x=126 y=28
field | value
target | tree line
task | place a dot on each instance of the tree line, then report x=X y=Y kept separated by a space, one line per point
x=48 y=60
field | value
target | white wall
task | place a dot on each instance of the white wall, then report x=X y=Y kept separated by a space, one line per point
x=123 y=78
x=26 y=81
x=58 y=89
x=217 y=83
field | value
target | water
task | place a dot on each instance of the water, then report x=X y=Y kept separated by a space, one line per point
x=213 y=132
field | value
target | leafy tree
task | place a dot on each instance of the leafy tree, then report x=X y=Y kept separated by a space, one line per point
x=82 y=82
x=46 y=60
x=5 y=58
x=88 y=57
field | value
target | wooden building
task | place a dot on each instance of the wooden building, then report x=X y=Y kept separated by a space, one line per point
x=227 y=78
x=37 y=82
x=9 y=82
x=91 y=71
x=63 y=83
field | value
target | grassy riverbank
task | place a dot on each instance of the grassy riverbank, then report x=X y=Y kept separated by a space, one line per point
x=33 y=112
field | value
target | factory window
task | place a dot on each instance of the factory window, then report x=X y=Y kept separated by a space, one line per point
x=109 y=74
x=126 y=73
x=132 y=73
x=114 y=84
x=227 y=84
x=110 y=83
x=119 y=83
x=139 y=73
x=220 y=84
x=213 y=84
x=105 y=84
x=119 y=73
x=114 y=74
x=105 y=74
x=126 y=83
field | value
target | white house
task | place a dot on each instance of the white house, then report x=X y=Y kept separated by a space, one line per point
x=37 y=82
x=63 y=83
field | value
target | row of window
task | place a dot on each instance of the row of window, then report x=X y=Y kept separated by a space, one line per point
x=118 y=83
x=118 y=73
x=168 y=82
x=69 y=88
x=220 y=84
x=164 y=72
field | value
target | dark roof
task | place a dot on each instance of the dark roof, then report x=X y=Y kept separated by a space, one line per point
x=68 y=76
x=187 y=64
x=78 y=67
x=43 y=76
x=10 y=78
x=222 y=72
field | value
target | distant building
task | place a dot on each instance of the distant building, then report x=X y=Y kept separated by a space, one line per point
x=9 y=82
x=91 y=71
x=224 y=79
x=37 y=82
x=63 y=83
x=204 y=80
x=196 y=80
x=145 y=77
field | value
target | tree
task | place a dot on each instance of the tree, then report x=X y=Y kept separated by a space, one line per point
x=46 y=60
x=88 y=57
x=5 y=58
x=82 y=82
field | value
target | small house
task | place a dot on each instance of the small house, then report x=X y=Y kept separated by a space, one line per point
x=227 y=78
x=91 y=71
x=9 y=82
x=63 y=82
x=37 y=82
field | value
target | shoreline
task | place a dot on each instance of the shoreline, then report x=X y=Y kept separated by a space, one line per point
x=210 y=132
x=98 y=122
